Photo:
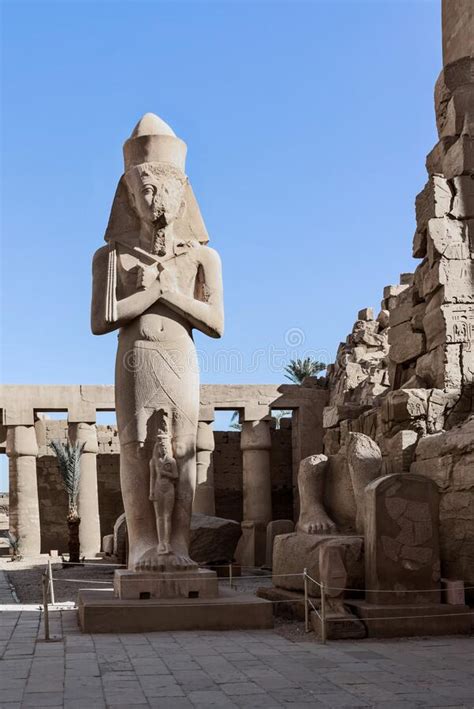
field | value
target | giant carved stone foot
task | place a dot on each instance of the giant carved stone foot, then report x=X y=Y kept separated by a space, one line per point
x=155 y=560
x=317 y=522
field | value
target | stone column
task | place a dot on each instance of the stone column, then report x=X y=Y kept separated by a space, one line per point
x=204 y=500
x=255 y=443
x=88 y=499
x=22 y=450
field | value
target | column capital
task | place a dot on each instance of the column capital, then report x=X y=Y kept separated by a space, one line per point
x=255 y=435
x=21 y=440
x=84 y=433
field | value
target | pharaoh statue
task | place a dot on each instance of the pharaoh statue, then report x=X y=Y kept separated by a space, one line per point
x=154 y=281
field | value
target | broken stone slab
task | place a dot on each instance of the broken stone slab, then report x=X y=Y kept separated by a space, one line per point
x=459 y=114
x=419 y=244
x=399 y=452
x=383 y=319
x=458 y=441
x=292 y=553
x=453 y=76
x=402 y=558
x=366 y=314
x=453 y=592
x=433 y=201
x=405 y=404
x=441 y=367
x=405 y=345
x=213 y=539
x=448 y=323
x=333 y=415
x=458 y=158
x=274 y=528
x=455 y=276
x=448 y=238
x=366 y=332
x=463 y=202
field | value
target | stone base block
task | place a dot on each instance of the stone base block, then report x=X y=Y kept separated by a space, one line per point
x=142 y=585
x=339 y=627
x=294 y=552
x=404 y=621
x=251 y=547
x=293 y=608
x=101 y=612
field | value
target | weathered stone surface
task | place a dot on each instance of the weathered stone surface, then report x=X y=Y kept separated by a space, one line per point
x=448 y=238
x=365 y=463
x=294 y=552
x=433 y=201
x=213 y=539
x=366 y=314
x=458 y=30
x=121 y=539
x=274 y=528
x=400 y=451
x=458 y=157
x=441 y=367
x=463 y=202
x=405 y=344
x=448 y=323
x=456 y=277
x=402 y=540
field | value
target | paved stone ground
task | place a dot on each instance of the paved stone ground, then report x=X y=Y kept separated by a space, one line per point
x=227 y=669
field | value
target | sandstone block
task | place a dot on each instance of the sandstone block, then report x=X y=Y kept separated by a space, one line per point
x=433 y=201
x=383 y=319
x=419 y=244
x=213 y=539
x=366 y=314
x=441 y=367
x=459 y=115
x=455 y=276
x=463 y=202
x=405 y=404
x=405 y=344
x=458 y=159
x=402 y=540
x=292 y=553
x=400 y=451
x=455 y=74
x=447 y=238
x=274 y=528
x=453 y=592
x=450 y=324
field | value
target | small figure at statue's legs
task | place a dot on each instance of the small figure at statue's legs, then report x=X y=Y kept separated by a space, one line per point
x=163 y=478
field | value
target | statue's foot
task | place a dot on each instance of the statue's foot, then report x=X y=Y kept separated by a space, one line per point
x=318 y=523
x=164 y=548
x=156 y=560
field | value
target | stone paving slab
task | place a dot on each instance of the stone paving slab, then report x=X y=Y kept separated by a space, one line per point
x=244 y=669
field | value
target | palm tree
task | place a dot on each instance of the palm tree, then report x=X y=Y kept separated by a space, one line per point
x=234 y=422
x=298 y=369
x=279 y=415
x=69 y=461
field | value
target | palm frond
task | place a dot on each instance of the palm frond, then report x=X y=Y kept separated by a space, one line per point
x=298 y=369
x=69 y=457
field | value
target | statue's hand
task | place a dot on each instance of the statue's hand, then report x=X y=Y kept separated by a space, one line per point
x=168 y=281
x=146 y=276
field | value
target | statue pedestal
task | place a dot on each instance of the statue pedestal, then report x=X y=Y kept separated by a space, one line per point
x=102 y=612
x=143 y=585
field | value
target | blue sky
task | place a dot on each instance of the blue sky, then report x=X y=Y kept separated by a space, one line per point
x=307 y=126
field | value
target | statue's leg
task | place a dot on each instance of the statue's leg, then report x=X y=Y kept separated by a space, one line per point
x=139 y=512
x=365 y=464
x=313 y=517
x=184 y=444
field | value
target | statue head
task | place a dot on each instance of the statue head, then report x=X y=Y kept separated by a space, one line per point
x=156 y=192
x=154 y=189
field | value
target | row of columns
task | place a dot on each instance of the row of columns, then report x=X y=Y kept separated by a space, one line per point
x=22 y=452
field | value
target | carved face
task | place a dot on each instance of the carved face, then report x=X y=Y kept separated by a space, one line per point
x=156 y=191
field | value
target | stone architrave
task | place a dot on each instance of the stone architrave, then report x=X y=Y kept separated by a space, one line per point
x=401 y=540
x=155 y=281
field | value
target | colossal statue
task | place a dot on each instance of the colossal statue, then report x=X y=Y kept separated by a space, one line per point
x=154 y=281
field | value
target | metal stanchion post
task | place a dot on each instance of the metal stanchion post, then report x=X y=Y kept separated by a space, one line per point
x=230 y=574
x=323 y=615
x=45 y=606
x=50 y=577
x=306 y=609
